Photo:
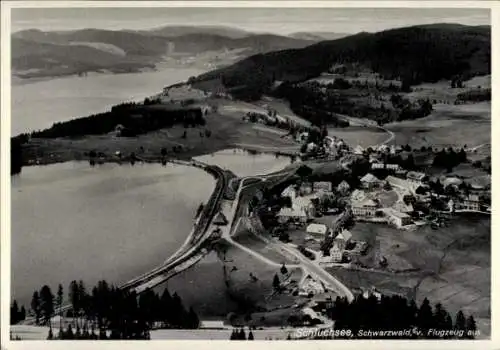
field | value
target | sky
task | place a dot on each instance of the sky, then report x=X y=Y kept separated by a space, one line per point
x=278 y=20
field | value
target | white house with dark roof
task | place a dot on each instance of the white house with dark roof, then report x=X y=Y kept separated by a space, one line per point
x=397 y=218
x=292 y=214
x=290 y=191
x=416 y=178
x=366 y=208
x=342 y=239
x=370 y=181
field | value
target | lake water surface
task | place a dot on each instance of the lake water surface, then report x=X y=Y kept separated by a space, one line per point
x=71 y=221
x=38 y=105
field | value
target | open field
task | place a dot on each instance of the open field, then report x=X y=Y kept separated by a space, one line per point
x=283 y=109
x=248 y=239
x=448 y=125
x=250 y=282
x=442 y=90
x=451 y=265
x=40 y=333
x=357 y=135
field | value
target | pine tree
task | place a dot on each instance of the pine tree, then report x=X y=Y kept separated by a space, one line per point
x=74 y=297
x=233 y=335
x=470 y=327
x=14 y=313
x=59 y=302
x=35 y=307
x=47 y=305
x=425 y=317
x=276 y=282
x=22 y=314
x=69 y=333
x=242 y=335
x=460 y=321
x=194 y=321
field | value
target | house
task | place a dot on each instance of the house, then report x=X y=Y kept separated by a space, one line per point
x=322 y=186
x=416 y=178
x=304 y=203
x=290 y=191
x=374 y=158
x=370 y=181
x=292 y=214
x=451 y=181
x=472 y=202
x=336 y=253
x=311 y=286
x=400 y=183
x=119 y=129
x=403 y=207
x=397 y=218
x=343 y=187
x=451 y=205
x=306 y=188
x=302 y=136
x=311 y=146
x=342 y=239
x=317 y=229
x=359 y=150
x=480 y=184
x=366 y=208
x=220 y=219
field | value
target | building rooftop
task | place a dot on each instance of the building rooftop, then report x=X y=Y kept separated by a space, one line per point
x=396 y=213
x=414 y=175
x=317 y=228
x=345 y=235
x=370 y=178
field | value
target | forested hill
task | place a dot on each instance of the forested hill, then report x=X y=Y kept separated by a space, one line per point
x=415 y=54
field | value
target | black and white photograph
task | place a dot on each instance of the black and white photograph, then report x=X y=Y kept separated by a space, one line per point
x=211 y=172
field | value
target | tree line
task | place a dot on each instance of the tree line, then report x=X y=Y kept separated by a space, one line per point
x=395 y=313
x=17 y=314
x=241 y=335
x=135 y=119
x=321 y=106
x=107 y=312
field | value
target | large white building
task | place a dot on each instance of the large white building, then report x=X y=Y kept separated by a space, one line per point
x=317 y=229
x=322 y=186
x=416 y=178
x=366 y=208
x=336 y=253
x=370 y=181
x=397 y=218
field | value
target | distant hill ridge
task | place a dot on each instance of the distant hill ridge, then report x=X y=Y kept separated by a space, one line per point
x=91 y=49
x=416 y=53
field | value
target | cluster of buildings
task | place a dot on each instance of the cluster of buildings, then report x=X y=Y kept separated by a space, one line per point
x=302 y=209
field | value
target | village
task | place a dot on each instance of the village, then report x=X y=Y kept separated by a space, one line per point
x=319 y=217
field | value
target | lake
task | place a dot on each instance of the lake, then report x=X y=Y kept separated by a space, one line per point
x=72 y=221
x=37 y=105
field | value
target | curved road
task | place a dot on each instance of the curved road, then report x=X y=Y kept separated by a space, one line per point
x=308 y=266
